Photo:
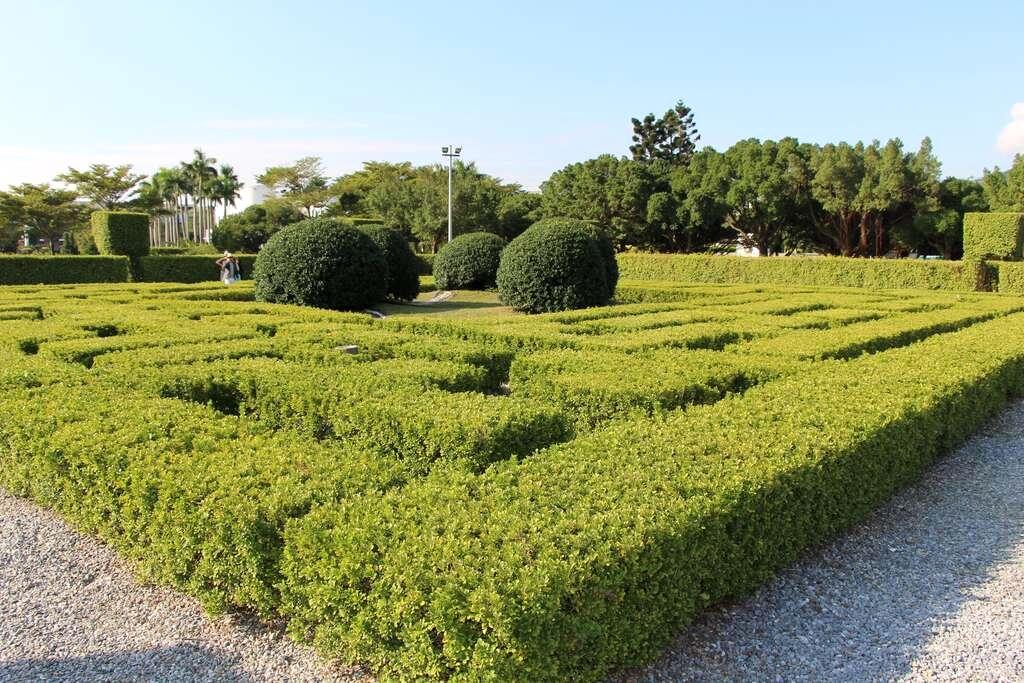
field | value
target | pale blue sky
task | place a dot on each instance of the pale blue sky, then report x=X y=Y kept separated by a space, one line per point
x=525 y=87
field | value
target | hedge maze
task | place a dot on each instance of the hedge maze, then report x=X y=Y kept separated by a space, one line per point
x=500 y=497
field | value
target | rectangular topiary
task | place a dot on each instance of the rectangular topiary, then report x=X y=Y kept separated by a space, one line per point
x=123 y=233
x=993 y=236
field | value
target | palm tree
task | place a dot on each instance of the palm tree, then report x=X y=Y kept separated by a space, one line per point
x=200 y=171
x=149 y=198
x=226 y=187
x=176 y=189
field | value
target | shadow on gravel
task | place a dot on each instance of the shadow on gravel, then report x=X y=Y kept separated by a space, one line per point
x=178 y=662
x=864 y=607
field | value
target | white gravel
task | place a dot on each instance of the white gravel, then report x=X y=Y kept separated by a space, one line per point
x=70 y=610
x=931 y=588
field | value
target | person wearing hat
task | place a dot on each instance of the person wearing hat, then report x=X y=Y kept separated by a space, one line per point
x=229 y=272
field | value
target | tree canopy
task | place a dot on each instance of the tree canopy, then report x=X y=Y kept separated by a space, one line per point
x=44 y=211
x=1004 y=190
x=108 y=188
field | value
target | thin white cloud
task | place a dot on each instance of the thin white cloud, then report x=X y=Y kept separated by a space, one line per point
x=249 y=156
x=279 y=124
x=1011 y=139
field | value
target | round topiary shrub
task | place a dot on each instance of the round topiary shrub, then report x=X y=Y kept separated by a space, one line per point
x=554 y=266
x=469 y=261
x=403 y=266
x=319 y=262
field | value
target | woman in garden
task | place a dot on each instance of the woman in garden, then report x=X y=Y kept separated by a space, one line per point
x=229 y=271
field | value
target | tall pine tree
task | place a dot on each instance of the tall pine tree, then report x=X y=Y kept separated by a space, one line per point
x=672 y=138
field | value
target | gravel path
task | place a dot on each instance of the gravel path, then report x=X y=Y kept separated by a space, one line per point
x=70 y=610
x=931 y=588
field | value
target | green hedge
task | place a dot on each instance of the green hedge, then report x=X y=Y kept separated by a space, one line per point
x=961 y=276
x=996 y=236
x=51 y=270
x=1009 y=277
x=123 y=233
x=591 y=555
x=188 y=269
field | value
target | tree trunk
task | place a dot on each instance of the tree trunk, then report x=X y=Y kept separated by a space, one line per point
x=865 y=230
x=879 y=237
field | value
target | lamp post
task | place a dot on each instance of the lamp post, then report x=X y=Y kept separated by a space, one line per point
x=451 y=153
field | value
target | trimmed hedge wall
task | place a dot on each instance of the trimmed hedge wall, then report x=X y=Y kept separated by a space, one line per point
x=426 y=263
x=121 y=232
x=54 y=270
x=188 y=269
x=960 y=276
x=993 y=235
x=590 y=556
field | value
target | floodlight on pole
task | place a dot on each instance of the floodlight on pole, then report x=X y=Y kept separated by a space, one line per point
x=451 y=152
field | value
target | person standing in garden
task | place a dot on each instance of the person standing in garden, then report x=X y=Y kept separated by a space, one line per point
x=229 y=270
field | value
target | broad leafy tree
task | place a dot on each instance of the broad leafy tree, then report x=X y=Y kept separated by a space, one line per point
x=105 y=186
x=941 y=231
x=609 y=191
x=249 y=230
x=699 y=190
x=768 y=191
x=517 y=211
x=304 y=183
x=44 y=211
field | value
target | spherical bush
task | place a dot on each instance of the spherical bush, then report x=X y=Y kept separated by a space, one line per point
x=555 y=265
x=319 y=262
x=403 y=266
x=469 y=261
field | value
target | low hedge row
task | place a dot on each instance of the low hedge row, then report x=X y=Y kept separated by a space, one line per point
x=48 y=270
x=51 y=270
x=600 y=385
x=961 y=276
x=590 y=555
x=877 y=335
x=189 y=269
x=400 y=408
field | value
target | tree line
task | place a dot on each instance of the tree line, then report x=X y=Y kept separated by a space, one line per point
x=180 y=200
x=776 y=196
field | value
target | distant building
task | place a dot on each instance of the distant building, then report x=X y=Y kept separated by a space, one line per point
x=252 y=194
